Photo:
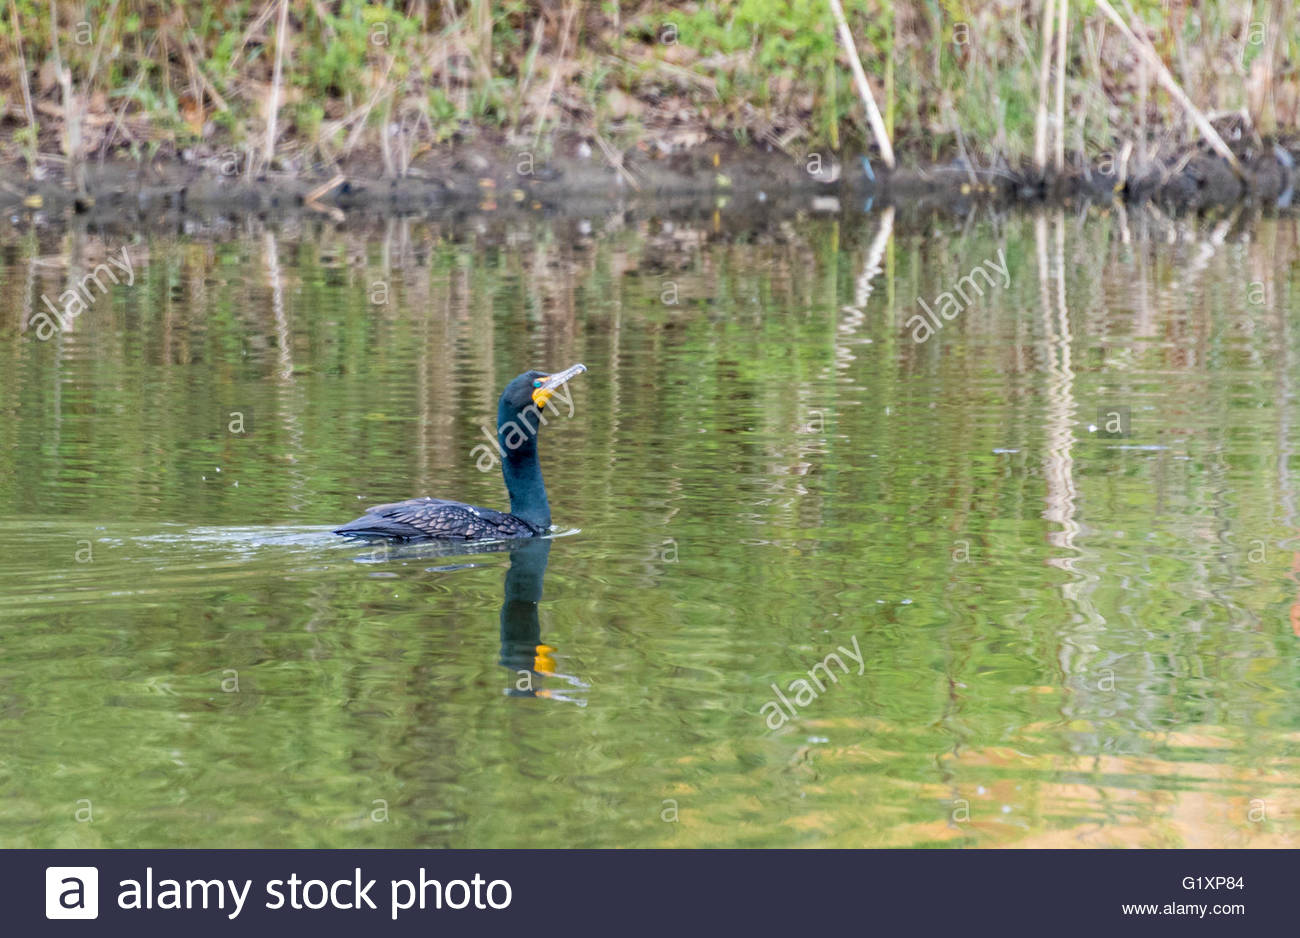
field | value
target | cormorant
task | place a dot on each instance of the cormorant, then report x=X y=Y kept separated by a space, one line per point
x=519 y=418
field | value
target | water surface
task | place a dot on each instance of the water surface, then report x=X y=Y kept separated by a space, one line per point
x=1060 y=534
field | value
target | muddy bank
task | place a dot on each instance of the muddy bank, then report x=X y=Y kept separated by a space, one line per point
x=201 y=188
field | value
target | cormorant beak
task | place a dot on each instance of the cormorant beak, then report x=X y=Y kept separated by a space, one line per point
x=546 y=385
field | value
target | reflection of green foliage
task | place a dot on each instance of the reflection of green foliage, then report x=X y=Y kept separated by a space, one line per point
x=792 y=539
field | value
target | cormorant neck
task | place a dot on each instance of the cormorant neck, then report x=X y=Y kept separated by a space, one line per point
x=523 y=475
x=521 y=631
x=521 y=469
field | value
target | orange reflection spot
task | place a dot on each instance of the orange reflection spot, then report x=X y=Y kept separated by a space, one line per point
x=543 y=663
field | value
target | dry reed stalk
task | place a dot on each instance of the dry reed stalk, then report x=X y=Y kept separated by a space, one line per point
x=72 y=110
x=1062 y=32
x=1044 y=74
x=385 y=147
x=22 y=74
x=864 y=90
x=483 y=40
x=253 y=27
x=310 y=199
x=191 y=63
x=1148 y=54
x=615 y=160
x=570 y=11
x=121 y=111
x=531 y=59
x=361 y=114
x=273 y=106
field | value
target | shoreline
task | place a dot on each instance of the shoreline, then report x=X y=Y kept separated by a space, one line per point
x=498 y=179
x=344 y=109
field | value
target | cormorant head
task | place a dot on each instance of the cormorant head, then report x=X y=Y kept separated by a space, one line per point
x=536 y=388
x=520 y=415
x=524 y=399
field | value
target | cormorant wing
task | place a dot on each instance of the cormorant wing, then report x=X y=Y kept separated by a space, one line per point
x=436 y=518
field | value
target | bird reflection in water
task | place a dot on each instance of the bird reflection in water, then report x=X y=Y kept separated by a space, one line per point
x=532 y=664
x=522 y=651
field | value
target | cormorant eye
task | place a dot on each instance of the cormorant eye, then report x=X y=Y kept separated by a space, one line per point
x=537 y=383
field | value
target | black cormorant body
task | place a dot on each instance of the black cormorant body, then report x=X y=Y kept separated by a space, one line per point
x=519 y=419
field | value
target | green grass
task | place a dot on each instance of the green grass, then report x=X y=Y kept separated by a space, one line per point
x=751 y=70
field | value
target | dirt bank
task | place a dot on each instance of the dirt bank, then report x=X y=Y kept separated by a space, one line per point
x=201 y=185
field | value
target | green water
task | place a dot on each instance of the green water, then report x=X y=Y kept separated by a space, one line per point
x=1067 y=636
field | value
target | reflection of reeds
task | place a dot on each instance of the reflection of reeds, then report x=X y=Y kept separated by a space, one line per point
x=855 y=315
x=460 y=292
x=1058 y=467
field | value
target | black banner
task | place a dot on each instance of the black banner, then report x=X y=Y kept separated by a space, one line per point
x=147 y=892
